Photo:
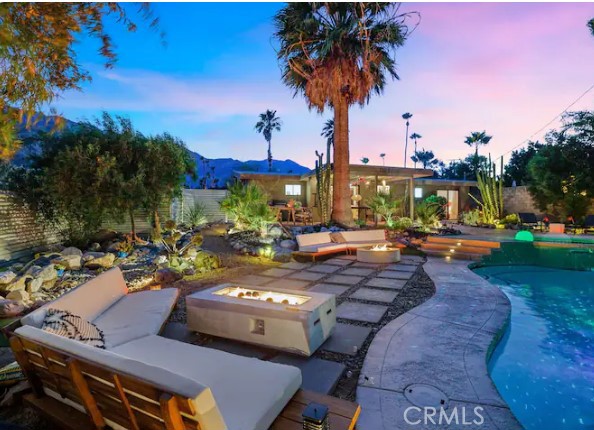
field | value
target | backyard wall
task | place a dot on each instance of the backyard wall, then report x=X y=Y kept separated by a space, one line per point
x=209 y=199
x=519 y=199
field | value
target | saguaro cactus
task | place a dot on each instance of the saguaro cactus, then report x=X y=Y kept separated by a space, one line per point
x=324 y=179
x=491 y=189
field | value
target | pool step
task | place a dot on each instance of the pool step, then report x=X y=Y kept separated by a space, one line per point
x=459 y=240
x=458 y=248
x=454 y=248
x=456 y=255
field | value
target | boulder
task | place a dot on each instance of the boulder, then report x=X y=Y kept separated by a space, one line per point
x=160 y=260
x=7 y=277
x=34 y=286
x=275 y=232
x=46 y=274
x=167 y=276
x=71 y=250
x=206 y=261
x=10 y=308
x=98 y=260
x=19 y=284
x=94 y=247
x=288 y=244
x=69 y=262
x=19 y=296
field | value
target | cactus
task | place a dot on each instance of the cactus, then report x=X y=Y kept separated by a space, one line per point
x=324 y=179
x=491 y=189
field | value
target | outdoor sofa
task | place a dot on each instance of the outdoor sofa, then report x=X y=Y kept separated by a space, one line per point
x=314 y=245
x=141 y=380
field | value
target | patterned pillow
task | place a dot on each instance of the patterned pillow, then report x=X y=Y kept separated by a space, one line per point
x=71 y=326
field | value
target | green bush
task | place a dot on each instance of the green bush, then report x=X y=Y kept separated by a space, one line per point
x=472 y=217
x=510 y=219
x=402 y=223
x=442 y=203
x=386 y=206
x=427 y=214
x=196 y=214
x=206 y=261
x=248 y=206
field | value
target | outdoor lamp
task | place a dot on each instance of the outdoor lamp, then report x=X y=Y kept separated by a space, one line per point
x=315 y=417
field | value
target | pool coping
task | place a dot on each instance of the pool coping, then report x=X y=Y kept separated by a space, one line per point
x=444 y=344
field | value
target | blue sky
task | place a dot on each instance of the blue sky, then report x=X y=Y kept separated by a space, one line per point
x=505 y=68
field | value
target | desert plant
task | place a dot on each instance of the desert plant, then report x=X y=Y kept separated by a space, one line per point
x=491 y=189
x=402 y=223
x=386 y=206
x=196 y=214
x=323 y=182
x=472 y=217
x=442 y=202
x=248 y=205
x=427 y=214
x=510 y=219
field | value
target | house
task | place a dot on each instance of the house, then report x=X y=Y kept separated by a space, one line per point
x=412 y=184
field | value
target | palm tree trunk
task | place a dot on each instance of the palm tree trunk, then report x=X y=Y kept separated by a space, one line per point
x=269 y=156
x=341 y=195
x=132 y=224
x=406 y=143
x=415 y=152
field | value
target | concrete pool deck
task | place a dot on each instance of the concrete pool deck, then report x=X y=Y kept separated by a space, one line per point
x=436 y=356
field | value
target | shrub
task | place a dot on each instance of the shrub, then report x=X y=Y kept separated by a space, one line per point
x=196 y=214
x=248 y=205
x=402 y=223
x=442 y=203
x=427 y=214
x=472 y=217
x=385 y=205
x=510 y=219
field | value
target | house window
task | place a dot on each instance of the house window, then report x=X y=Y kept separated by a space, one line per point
x=292 y=190
x=383 y=189
x=418 y=193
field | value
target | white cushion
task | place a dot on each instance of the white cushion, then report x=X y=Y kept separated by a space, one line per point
x=168 y=380
x=313 y=239
x=136 y=315
x=249 y=393
x=364 y=243
x=324 y=247
x=361 y=235
x=88 y=300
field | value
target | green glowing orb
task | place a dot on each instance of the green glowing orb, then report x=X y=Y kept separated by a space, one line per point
x=525 y=236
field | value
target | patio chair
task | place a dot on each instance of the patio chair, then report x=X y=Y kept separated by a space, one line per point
x=304 y=215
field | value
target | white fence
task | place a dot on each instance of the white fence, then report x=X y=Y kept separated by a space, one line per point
x=209 y=199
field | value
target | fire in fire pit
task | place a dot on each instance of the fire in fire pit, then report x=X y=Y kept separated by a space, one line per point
x=263 y=296
x=380 y=248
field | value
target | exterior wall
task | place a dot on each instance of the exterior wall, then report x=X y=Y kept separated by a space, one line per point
x=464 y=201
x=275 y=187
x=209 y=199
x=519 y=199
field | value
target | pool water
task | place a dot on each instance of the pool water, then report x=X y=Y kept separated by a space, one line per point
x=544 y=365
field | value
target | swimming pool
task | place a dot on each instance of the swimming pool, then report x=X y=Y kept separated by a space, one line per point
x=544 y=365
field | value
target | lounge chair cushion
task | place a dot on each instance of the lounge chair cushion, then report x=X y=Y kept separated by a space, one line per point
x=313 y=239
x=527 y=218
x=136 y=315
x=324 y=247
x=88 y=300
x=362 y=235
x=364 y=243
x=249 y=393
x=167 y=380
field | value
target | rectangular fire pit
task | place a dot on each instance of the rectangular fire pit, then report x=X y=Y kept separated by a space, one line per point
x=281 y=319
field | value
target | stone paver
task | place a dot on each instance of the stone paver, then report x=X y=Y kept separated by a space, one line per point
x=318 y=375
x=415 y=258
x=254 y=280
x=307 y=276
x=330 y=289
x=357 y=271
x=443 y=344
x=347 y=257
x=295 y=265
x=366 y=265
x=179 y=331
x=392 y=284
x=402 y=267
x=344 y=279
x=374 y=295
x=325 y=268
x=238 y=348
x=392 y=274
x=361 y=312
x=339 y=262
x=346 y=339
x=288 y=284
x=277 y=272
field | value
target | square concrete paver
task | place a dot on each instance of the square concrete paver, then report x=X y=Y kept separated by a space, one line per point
x=254 y=280
x=366 y=265
x=288 y=284
x=402 y=267
x=392 y=284
x=344 y=279
x=346 y=339
x=277 y=272
x=339 y=262
x=307 y=276
x=373 y=295
x=392 y=274
x=358 y=271
x=317 y=375
x=179 y=331
x=361 y=312
x=335 y=289
x=347 y=257
x=324 y=268
x=239 y=348
x=293 y=265
x=414 y=258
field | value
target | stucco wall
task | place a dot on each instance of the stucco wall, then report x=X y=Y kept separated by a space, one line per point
x=275 y=187
x=519 y=199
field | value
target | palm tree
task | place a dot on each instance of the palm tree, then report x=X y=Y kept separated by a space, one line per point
x=406 y=116
x=383 y=157
x=364 y=160
x=426 y=158
x=476 y=139
x=591 y=26
x=415 y=137
x=336 y=55
x=268 y=123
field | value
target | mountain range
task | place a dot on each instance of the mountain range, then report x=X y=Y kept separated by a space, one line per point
x=216 y=172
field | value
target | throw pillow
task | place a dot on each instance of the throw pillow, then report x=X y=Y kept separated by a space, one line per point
x=337 y=238
x=66 y=324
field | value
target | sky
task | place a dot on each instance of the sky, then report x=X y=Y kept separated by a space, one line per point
x=505 y=68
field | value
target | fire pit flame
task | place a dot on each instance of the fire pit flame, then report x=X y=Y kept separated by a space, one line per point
x=380 y=248
x=262 y=295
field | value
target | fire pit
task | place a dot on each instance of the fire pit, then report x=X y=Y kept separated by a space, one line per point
x=297 y=322
x=378 y=254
